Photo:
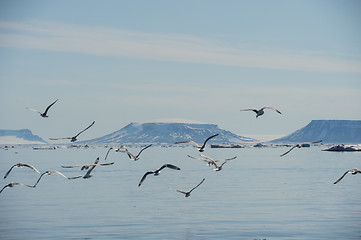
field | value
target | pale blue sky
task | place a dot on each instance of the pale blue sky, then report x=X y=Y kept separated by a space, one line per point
x=118 y=62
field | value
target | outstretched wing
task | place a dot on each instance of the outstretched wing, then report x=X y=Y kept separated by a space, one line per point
x=32 y=109
x=197 y=185
x=143 y=149
x=184 y=192
x=288 y=151
x=60 y=138
x=85 y=129
x=194 y=143
x=340 y=177
x=171 y=166
x=47 y=109
x=274 y=109
x=7 y=173
x=143 y=178
x=204 y=144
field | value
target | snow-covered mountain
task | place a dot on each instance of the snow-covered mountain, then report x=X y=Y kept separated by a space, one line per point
x=169 y=132
x=22 y=136
x=329 y=131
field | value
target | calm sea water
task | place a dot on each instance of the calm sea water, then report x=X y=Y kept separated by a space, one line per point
x=259 y=195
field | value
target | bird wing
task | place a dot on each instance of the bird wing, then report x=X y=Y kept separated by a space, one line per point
x=171 y=166
x=143 y=178
x=340 y=177
x=71 y=178
x=184 y=192
x=197 y=185
x=194 y=143
x=32 y=109
x=60 y=138
x=143 y=150
x=48 y=173
x=250 y=109
x=30 y=166
x=288 y=151
x=274 y=109
x=317 y=141
x=85 y=129
x=7 y=173
x=46 y=110
x=106 y=164
x=93 y=166
x=204 y=144
x=205 y=157
x=108 y=153
x=229 y=159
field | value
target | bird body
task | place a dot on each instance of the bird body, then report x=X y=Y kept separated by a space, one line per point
x=156 y=172
x=260 y=112
x=353 y=171
x=188 y=193
x=44 y=114
x=131 y=155
x=200 y=147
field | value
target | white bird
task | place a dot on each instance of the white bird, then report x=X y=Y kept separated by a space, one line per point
x=87 y=166
x=156 y=172
x=200 y=147
x=21 y=165
x=299 y=145
x=73 y=139
x=218 y=167
x=353 y=171
x=44 y=114
x=12 y=184
x=260 y=112
x=131 y=155
x=88 y=173
x=210 y=160
x=49 y=172
x=187 y=194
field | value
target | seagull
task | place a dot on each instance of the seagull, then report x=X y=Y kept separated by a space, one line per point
x=156 y=172
x=20 y=165
x=131 y=155
x=299 y=145
x=218 y=167
x=187 y=194
x=210 y=160
x=261 y=111
x=12 y=184
x=87 y=166
x=88 y=173
x=200 y=147
x=353 y=171
x=49 y=172
x=46 y=110
x=73 y=139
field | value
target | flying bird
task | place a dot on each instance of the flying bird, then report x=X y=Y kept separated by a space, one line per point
x=156 y=172
x=299 y=145
x=12 y=184
x=131 y=155
x=210 y=160
x=187 y=194
x=44 y=114
x=21 y=165
x=73 y=139
x=87 y=166
x=353 y=171
x=49 y=172
x=200 y=147
x=218 y=167
x=88 y=173
x=260 y=112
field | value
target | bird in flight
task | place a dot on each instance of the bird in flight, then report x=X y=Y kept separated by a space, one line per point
x=210 y=160
x=353 y=171
x=44 y=114
x=88 y=173
x=87 y=166
x=20 y=165
x=200 y=147
x=156 y=172
x=73 y=139
x=12 y=184
x=131 y=155
x=299 y=145
x=49 y=172
x=260 y=112
x=187 y=194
